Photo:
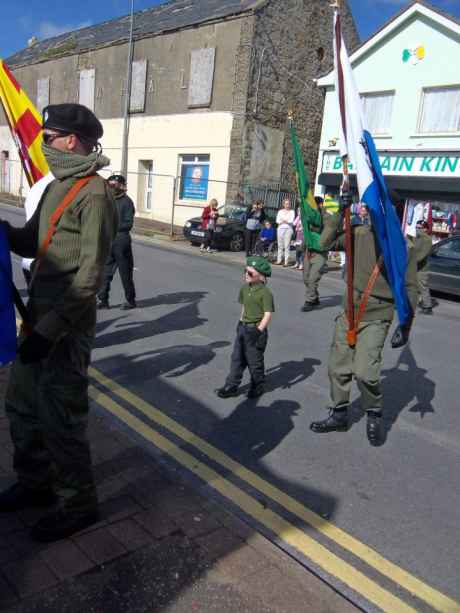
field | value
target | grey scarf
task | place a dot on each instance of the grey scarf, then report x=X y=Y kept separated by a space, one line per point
x=63 y=164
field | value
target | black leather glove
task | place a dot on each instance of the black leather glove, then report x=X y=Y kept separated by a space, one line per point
x=345 y=201
x=34 y=348
x=400 y=336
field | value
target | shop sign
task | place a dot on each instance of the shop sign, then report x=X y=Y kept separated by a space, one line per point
x=421 y=165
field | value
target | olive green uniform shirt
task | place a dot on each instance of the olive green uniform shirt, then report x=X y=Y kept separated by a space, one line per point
x=365 y=256
x=257 y=300
x=63 y=296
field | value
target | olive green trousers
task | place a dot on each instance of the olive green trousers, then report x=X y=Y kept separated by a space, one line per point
x=312 y=273
x=47 y=406
x=363 y=362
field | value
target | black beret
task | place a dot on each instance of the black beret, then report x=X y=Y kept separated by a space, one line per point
x=74 y=119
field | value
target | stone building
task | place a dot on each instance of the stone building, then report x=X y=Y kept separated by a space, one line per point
x=212 y=85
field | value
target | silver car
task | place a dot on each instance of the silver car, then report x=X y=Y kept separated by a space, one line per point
x=444 y=266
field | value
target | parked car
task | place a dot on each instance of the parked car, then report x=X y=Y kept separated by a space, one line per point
x=229 y=229
x=444 y=266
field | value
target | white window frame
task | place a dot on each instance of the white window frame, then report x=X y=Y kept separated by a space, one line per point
x=441 y=132
x=386 y=131
x=194 y=159
x=138 y=86
x=43 y=93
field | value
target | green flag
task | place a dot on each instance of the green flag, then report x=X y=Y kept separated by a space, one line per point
x=308 y=208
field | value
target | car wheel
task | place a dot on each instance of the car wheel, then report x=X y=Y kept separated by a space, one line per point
x=237 y=242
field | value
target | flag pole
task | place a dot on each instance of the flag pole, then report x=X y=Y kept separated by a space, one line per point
x=351 y=334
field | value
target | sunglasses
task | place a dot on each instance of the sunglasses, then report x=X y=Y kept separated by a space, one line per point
x=49 y=137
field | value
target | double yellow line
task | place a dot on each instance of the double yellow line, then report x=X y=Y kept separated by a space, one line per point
x=284 y=530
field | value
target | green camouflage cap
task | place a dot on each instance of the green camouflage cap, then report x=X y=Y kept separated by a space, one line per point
x=260 y=264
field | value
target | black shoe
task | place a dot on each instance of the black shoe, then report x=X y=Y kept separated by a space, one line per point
x=426 y=310
x=18 y=497
x=103 y=304
x=256 y=391
x=336 y=422
x=309 y=306
x=60 y=525
x=227 y=391
x=127 y=306
x=374 y=428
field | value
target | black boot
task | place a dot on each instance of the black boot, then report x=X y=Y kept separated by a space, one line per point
x=60 y=525
x=18 y=497
x=128 y=306
x=336 y=422
x=426 y=310
x=374 y=428
x=309 y=306
x=256 y=391
x=103 y=304
x=227 y=391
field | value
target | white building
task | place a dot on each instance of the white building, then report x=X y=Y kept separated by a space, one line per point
x=408 y=74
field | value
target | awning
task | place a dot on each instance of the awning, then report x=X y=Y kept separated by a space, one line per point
x=430 y=188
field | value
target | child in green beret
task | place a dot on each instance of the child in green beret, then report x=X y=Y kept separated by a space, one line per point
x=252 y=334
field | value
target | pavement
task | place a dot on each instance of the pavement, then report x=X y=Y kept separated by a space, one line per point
x=380 y=525
x=159 y=546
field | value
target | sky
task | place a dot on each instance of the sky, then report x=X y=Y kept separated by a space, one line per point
x=22 y=19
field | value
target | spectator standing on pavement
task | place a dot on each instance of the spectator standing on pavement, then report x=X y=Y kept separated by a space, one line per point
x=47 y=400
x=209 y=218
x=30 y=205
x=267 y=236
x=299 y=242
x=285 y=222
x=423 y=245
x=252 y=332
x=375 y=313
x=315 y=261
x=255 y=217
x=121 y=255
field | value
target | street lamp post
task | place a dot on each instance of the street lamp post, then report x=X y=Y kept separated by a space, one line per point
x=129 y=72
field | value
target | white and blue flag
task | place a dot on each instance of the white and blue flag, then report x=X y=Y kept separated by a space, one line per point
x=358 y=145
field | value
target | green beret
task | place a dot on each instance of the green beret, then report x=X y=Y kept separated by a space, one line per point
x=260 y=264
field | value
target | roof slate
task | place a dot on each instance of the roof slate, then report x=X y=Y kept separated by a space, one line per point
x=172 y=15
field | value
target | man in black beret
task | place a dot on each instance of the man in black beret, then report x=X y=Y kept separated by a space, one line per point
x=121 y=256
x=70 y=237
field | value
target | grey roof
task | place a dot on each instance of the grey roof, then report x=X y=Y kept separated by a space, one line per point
x=171 y=15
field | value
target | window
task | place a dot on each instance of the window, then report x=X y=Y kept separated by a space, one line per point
x=86 y=96
x=378 y=109
x=440 y=110
x=138 y=81
x=451 y=249
x=194 y=177
x=145 y=185
x=201 y=77
x=43 y=93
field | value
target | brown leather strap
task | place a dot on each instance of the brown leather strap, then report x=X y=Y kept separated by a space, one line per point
x=54 y=220
x=353 y=332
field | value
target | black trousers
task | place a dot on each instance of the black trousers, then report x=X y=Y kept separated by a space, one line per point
x=209 y=240
x=121 y=257
x=250 y=237
x=248 y=352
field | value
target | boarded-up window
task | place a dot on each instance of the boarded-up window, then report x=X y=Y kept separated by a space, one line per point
x=86 y=96
x=43 y=93
x=201 y=77
x=138 y=81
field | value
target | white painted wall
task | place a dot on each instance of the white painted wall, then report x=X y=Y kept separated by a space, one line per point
x=161 y=139
x=382 y=69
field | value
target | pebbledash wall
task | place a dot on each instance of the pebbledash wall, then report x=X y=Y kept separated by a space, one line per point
x=409 y=78
x=218 y=83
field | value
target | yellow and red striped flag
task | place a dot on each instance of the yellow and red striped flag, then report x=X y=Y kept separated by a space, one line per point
x=25 y=124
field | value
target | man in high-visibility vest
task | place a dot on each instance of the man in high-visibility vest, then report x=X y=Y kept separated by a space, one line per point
x=47 y=399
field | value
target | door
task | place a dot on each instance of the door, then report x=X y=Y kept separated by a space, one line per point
x=148 y=187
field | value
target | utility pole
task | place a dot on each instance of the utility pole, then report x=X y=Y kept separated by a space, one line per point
x=129 y=73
